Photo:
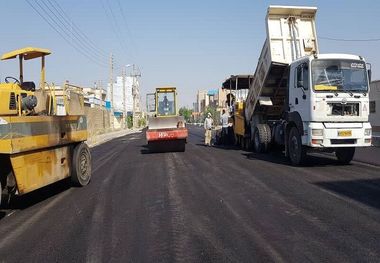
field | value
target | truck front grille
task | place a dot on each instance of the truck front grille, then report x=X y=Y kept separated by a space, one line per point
x=343 y=141
x=12 y=101
x=340 y=109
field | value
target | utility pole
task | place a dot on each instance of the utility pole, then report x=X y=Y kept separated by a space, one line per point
x=123 y=70
x=135 y=93
x=111 y=90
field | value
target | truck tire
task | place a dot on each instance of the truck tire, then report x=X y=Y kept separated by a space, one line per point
x=268 y=135
x=7 y=190
x=244 y=143
x=262 y=138
x=345 y=155
x=5 y=198
x=297 y=152
x=81 y=165
x=1 y=195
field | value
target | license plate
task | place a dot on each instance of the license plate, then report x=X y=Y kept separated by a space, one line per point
x=345 y=133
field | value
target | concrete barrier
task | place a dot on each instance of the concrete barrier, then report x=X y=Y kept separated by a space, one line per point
x=99 y=122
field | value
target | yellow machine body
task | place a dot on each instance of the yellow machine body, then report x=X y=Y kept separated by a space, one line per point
x=239 y=120
x=35 y=147
x=34 y=170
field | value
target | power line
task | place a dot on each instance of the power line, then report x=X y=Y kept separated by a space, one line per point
x=60 y=33
x=115 y=26
x=83 y=37
x=350 y=40
x=76 y=29
x=127 y=27
x=64 y=27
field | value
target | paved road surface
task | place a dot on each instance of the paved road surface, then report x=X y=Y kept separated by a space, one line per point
x=205 y=205
x=369 y=155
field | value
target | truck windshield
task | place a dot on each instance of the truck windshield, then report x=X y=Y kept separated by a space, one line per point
x=166 y=103
x=339 y=75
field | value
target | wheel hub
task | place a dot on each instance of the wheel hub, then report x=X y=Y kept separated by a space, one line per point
x=294 y=146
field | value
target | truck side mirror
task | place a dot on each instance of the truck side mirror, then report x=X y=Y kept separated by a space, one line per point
x=369 y=71
x=369 y=75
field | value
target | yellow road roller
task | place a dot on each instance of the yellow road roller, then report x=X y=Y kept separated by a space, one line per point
x=39 y=144
x=166 y=129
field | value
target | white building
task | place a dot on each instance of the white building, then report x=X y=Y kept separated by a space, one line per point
x=118 y=103
x=202 y=100
x=94 y=97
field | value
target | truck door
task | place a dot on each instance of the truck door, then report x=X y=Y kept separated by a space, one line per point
x=299 y=91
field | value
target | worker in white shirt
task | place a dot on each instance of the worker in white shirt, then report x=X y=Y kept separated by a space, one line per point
x=208 y=127
x=224 y=122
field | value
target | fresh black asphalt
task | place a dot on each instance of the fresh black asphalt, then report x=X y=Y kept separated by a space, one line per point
x=208 y=204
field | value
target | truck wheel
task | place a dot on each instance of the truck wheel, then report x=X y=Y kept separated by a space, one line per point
x=81 y=165
x=345 y=155
x=297 y=152
x=261 y=139
x=243 y=143
x=8 y=191
x=247 y=144
x=5 y=198
x=257 y=145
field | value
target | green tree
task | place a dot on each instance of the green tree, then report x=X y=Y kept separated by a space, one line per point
x=186 y=113
x=142 y=122
x=129 y=121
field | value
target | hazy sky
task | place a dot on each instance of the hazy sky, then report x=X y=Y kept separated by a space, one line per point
x=193 y=44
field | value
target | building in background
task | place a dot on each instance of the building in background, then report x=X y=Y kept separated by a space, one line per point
x=95 y=97
x=212 y=98
x=118 y=103
x=215 y=98
x=202 y=100
x=221 y=99
x=195 y=107
x=374 y=106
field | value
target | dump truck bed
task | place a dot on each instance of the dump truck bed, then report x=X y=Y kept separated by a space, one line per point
x=291 y=34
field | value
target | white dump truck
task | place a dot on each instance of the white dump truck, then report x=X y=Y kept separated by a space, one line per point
x=304 y=100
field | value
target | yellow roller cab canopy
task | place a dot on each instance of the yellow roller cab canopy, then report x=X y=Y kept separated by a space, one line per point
x=165 y=89
x=27 y=53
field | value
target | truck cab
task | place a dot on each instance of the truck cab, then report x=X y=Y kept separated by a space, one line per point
x=329 y=92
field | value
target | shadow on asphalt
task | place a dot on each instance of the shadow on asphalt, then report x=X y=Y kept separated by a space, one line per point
x=219 y=146
x=366 y=191
x=2 y=214
x=37 y=196
x=160 y=149
x=144 y=150
x=279 y=158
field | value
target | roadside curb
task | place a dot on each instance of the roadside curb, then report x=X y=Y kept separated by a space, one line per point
x=103 y=138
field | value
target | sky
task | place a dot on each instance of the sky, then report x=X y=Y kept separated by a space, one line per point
x=193 y=45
